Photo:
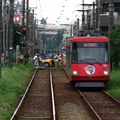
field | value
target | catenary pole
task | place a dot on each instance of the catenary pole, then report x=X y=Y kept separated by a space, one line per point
x=23 y=25
x=23 y=12
x=83 y=16
x=11 y=15
x=27 y=36
x=111 y=20
x=27 y=20
x=97 y=15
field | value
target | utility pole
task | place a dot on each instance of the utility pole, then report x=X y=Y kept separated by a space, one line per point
x=78 y=27
x=75 y=29
x=32 y=31
x=0 y=35
x=94 y=18
x=83 y=16
x=4 y=26
x=98 y=12
x=111 y=17
x=11 y=15
x=88 y=20
x=23 y=25
x=26 y=56
x=88 y=15
x=7 y=32
x=27 y=20
x=23 y=13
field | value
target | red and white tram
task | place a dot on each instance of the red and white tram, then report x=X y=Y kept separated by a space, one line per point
x=89 y=61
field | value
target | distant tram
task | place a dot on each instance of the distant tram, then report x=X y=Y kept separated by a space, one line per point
x=89 y=61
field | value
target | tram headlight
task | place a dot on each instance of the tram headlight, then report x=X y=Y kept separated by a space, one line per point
x=106 y=72
x=74 y=72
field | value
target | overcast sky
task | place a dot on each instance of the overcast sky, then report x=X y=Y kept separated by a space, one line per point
x=58 y=11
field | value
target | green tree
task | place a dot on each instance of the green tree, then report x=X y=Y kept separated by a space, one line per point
x=115 y=46
x=59 y=38
x=52 y=43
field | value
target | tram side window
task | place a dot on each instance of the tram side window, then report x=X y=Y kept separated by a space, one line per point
x=74 y=52
x=68 y=53
x=106 y=56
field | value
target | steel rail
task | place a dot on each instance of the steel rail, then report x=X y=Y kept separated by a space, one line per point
x=53 y=98
x=114 y=100
x=20 y=103
x=66 y=74
x=90 y=107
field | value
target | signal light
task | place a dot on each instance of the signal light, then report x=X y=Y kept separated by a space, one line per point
x=24 y=30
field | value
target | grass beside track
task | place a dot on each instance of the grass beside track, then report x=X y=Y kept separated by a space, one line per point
x=113 y=85
x=12 y=85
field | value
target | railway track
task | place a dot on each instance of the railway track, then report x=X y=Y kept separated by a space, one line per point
x=49 y=96
x=69 y=106
x=38 y=101
x=42 y=102
x=101 y=105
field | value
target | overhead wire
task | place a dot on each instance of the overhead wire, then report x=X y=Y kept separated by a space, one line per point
x=40 y=9
x=61 y=12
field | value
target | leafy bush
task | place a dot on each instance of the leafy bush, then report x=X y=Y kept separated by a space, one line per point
x=115 y=49
x=113 y=85
x=12 y=84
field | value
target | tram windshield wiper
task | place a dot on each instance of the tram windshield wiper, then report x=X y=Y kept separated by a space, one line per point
x=84 y=61
x=94 y=60
x=88 y=60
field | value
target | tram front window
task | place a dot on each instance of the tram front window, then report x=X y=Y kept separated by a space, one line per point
x=89 y=52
